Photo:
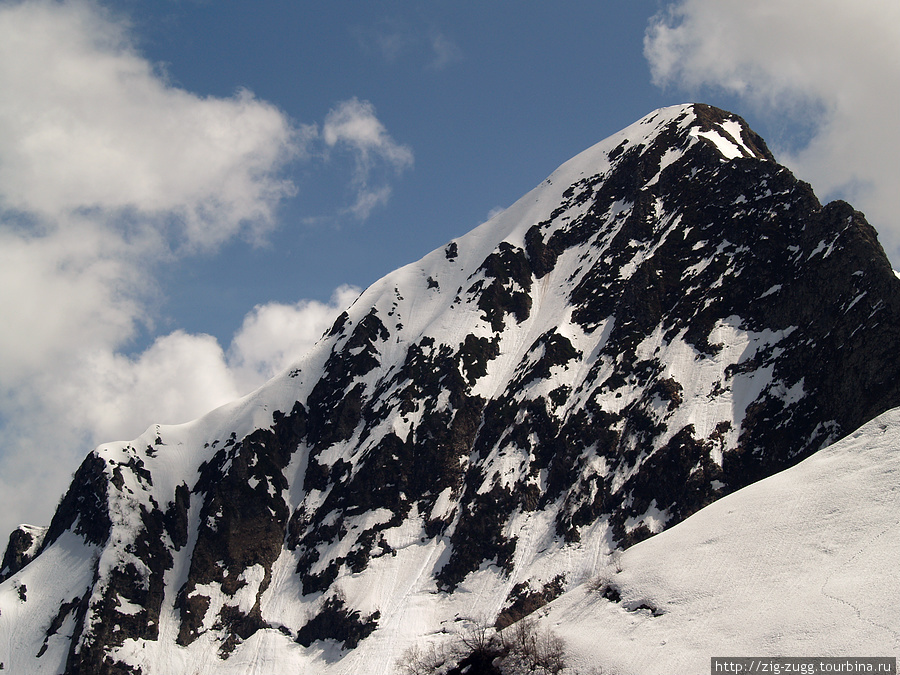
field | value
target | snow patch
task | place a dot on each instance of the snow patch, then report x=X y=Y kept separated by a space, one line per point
x=725 y=146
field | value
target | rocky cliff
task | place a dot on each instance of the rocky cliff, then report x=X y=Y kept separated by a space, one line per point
x=669 y=317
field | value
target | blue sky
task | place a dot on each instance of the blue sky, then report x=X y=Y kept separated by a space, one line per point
x=191 y=190
x=489 y=97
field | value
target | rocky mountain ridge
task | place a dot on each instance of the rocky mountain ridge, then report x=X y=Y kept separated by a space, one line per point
x=668 y=318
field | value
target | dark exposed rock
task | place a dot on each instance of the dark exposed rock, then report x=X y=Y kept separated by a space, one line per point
x=508 y=291
x=475 y=354
x=334 y=621
x=668 y=264
x=176 y=517
x=83 y=509
x=478 y=536
x=523 y=600
x=65 y=609
x=243 y=523
x=21 y=549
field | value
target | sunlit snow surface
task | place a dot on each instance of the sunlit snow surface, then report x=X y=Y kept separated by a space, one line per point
x=804 y=563
x=801 y=563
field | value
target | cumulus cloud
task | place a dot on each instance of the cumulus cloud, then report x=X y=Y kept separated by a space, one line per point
x=829 y=64
x=105 y=170
x=112 y=396
x=87 y=123
x=353 y=126
x=100 y=395
x=108 y=173
x=181 y=376
x=275 y=335
x=72 y=286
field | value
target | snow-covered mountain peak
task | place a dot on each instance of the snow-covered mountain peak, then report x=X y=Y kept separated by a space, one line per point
x=669 y=317
x=652 y=145
x=638 y=160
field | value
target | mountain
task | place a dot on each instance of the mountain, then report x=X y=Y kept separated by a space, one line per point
x=803 y=563
x=671 y=316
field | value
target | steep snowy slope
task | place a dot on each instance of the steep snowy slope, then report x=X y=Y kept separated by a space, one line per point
x=803 y=563
x=669 y=317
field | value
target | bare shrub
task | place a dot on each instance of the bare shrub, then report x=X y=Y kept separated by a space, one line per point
x=528 y=650
x=615 y=560
x=522 y=649
x=425 y=661
x=481 y=639
x=604 y=585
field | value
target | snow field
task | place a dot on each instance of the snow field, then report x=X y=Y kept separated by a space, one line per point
x=790 y=566
x=802 y=563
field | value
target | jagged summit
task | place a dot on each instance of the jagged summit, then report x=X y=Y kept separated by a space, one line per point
x=669 y=317
x=638 y=156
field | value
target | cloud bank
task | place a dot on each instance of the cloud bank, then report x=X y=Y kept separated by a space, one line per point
x=98 y=394
x=830 y=65
x=108 y=173
x=86 y=124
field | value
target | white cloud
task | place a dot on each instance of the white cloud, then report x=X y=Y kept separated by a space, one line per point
x=353 y=123
x=275 y=335
x=108 y=173
x=828 y=63
x=353 y=126
x=112 y=396
x=70 y=287
x=182 y=376
x=87 y=123
x=100 y=395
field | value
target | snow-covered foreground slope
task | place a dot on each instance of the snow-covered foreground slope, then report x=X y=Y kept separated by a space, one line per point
x=803 y=563
x=666 y=319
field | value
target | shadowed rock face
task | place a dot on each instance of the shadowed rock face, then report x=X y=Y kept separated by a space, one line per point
x=670 y=317
x=24 y=543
